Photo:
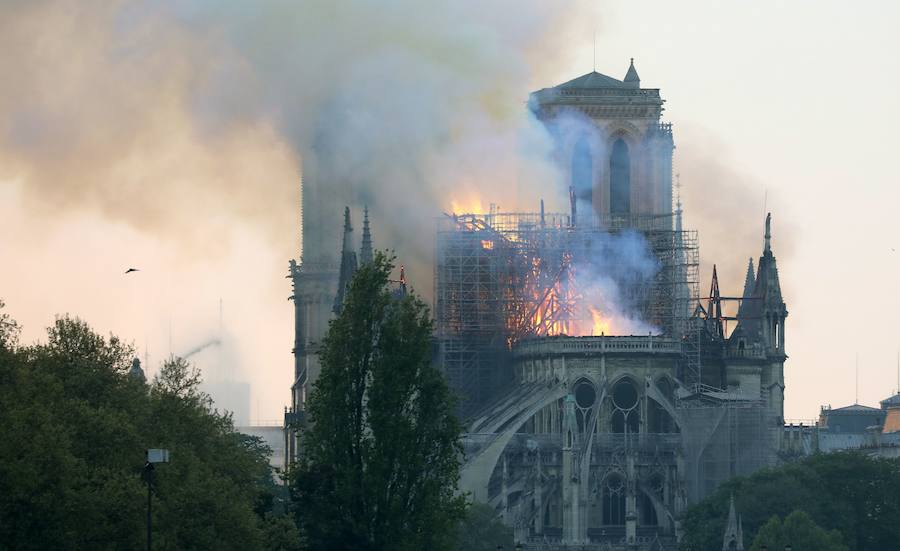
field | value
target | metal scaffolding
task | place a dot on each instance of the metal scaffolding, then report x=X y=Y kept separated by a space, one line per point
x=502 y=277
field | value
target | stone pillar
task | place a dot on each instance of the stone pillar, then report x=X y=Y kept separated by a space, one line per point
x=539 y=495
x=504 y=492
x=631 y=503
x=570 y=487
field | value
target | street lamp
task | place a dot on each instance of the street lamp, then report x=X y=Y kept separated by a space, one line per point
x=154 y=455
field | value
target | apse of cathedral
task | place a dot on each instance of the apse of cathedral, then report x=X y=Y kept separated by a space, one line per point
x=601 y=390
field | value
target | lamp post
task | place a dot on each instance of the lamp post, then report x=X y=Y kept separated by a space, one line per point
x=153 y=455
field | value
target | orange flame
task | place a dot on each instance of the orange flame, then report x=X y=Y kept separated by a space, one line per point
x=600 y=325
x=468 y=205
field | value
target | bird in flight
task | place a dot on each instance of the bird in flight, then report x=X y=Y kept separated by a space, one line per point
x=129 y=270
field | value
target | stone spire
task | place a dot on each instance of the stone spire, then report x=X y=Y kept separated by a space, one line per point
x=631 y=77
x=761 y=319
x=749 y=281
x=348 y=263
x=365 y=253
x=733 y=539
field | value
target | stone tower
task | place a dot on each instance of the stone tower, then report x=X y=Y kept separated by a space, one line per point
x=756 y=349
x=315 y=277
x=611 y=146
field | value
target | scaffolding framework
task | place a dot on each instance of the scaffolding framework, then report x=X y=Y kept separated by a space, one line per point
x=502 y=277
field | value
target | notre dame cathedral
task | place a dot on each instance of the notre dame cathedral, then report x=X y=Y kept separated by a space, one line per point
x=602 y=394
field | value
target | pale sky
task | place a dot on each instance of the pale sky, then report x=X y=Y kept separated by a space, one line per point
x=155 y=137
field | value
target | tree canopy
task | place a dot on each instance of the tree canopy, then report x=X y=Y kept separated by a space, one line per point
x=849 y=492
x=482 y=530
x=798 y=531
x=72 y=442
x=380 y=461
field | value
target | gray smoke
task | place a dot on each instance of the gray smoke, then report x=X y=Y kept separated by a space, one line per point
x=175 y=132
x=612 y=272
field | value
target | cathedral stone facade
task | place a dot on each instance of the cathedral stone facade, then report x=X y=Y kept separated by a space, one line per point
x=590 y=440
x=600 y=442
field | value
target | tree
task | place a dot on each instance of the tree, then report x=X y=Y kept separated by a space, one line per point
x=482 y=530
x=9 y=330
x=799 y=531
x=75 y=427
x=849 y=491
x=380 y=460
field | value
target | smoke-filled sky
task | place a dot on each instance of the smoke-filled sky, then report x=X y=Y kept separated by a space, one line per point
x=166 y=136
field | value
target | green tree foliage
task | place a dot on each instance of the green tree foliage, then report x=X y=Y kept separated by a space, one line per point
x=849 y=492
x=800 y=532
x=72 y=438
x=381 y=458
x=9 y=331
x=482 y=530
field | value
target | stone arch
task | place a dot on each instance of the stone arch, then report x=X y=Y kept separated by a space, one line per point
x=657 y=396
x=663 y=515
x=659 y=418
x=477 y=470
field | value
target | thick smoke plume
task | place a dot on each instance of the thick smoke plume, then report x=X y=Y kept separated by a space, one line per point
x=172 y=135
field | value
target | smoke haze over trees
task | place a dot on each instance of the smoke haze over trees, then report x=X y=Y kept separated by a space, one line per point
x=75 y=427
x=171 y=133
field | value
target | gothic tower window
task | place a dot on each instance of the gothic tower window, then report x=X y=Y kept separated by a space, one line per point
x=582 y=172
x=620 y=178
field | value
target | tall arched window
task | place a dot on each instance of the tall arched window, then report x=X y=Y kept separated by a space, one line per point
x=614 y=500
x=620 y=178
x=625 y=414
x=582 y=172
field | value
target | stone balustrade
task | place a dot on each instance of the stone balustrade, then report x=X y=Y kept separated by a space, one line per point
x=596 y=345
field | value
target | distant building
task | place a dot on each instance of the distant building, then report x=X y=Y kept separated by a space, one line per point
x=855 y=427
x=273 y=436
x=891 y=407
x=854 y=419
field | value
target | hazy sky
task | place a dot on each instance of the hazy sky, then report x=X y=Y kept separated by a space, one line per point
x=164 y=136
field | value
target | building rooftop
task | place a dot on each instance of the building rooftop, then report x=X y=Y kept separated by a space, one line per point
x=893 y=401
x=855 y=408
x=592 y=80
x=595 y=90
